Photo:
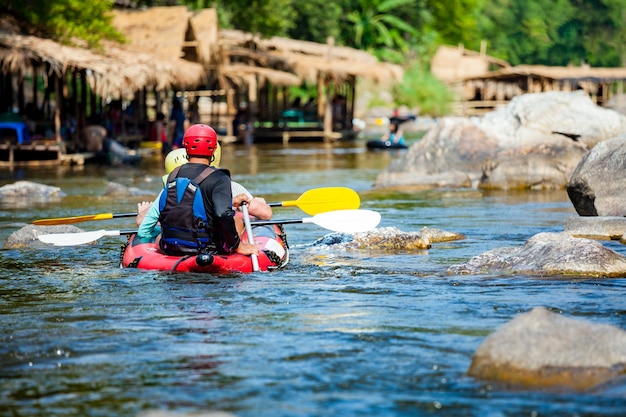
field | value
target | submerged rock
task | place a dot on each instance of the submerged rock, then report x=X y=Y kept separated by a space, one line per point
x=438 y=235
x=541 y=349
x=548 y=254
x=22 y=193
x=606 y=227
x=387 y=238
x=29 y=189
x=27 y=235
x=119 y=190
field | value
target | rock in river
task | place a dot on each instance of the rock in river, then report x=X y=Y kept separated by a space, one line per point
x=541 y=349
x=549 y=254
x=27 y=235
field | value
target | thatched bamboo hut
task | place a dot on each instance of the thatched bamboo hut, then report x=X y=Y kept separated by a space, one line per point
x=333 y=69
x=243 y=68
x=452 y=64
x=504 y=84
x=195 y=37
x=484 y=83
x=80 y=78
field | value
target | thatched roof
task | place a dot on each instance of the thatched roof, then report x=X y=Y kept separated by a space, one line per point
x=158 y=40
x=451 y=64
x=157 y=30
x=171 y=32
x=114 y=71
x=309 y=60
x=206 y=33
x=175 y=32
x=239 y=74
x=574 y=74
x=193 y=36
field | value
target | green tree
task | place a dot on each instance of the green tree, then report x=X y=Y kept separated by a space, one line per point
x=601 y=31
x=559 y=32
x=376 y=26
x=316 y=20
x=420 y=89
x=264 y=17
x=64 y=20
x=524 y=31
x=452 y=21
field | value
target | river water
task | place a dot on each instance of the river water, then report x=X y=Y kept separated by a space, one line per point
x=336 y=333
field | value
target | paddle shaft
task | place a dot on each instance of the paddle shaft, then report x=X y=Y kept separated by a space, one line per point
x=79 y=219
x=246 y=221
x=314 y=201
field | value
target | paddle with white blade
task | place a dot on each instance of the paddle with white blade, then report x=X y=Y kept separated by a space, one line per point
x=345 y=221
x=80 y=238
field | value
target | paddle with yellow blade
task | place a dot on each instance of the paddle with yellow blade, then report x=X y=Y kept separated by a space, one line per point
x=312 y=202
x=322 y=200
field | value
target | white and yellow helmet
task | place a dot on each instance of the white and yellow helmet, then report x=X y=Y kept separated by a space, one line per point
x=175 y=158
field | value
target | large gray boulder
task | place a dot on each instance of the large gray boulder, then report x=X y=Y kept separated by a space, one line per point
x=597 y=187
x=549 y=254
x=545 y=167
x=451 y=155
x=541 y=349
x=535 y=142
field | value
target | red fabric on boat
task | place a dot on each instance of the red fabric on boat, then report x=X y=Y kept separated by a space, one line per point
x=274 y=253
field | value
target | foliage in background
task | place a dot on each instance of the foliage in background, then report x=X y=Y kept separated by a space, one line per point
x=408 y=32
x=549 y=32
x=375 y=25
x=264 y=17
x=420 y=89
x=64 y=20
x=316 y=20
x=556 y=32
x=451 y=22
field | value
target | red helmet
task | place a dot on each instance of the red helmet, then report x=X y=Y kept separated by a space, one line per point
x=200 y=140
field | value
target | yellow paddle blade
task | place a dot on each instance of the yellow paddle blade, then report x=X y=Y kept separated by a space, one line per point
x=78 y=219
x=322 y=200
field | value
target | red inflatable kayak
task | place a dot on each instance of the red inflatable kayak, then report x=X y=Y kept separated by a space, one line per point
x=271 y=240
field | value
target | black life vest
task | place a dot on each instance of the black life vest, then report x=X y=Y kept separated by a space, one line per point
x=183 y=233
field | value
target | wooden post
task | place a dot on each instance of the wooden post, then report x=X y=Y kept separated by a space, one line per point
x=328 y=116
x=253 y=109
x=328 y=111
x=231 y=111
x=321 y=96
x=57 y=111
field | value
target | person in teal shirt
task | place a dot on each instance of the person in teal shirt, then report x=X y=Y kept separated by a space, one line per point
x=395 y=134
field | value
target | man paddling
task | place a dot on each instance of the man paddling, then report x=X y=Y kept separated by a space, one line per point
x=195 y=210
x=258 y=207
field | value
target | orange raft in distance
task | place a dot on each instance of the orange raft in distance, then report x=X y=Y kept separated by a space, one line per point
x=271 y=240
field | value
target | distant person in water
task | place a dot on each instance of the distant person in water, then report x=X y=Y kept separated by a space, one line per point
x=395 y=134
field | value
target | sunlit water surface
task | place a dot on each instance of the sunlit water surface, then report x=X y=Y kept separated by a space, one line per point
x=336 y=333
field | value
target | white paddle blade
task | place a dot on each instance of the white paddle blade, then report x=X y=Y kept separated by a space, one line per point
x=346 y=221
x=74 y=239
